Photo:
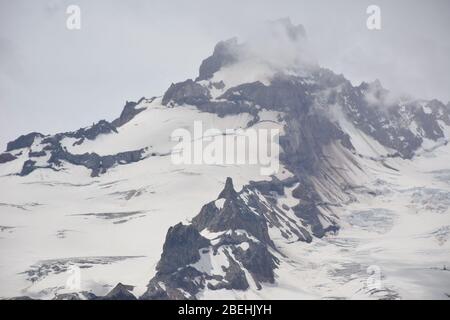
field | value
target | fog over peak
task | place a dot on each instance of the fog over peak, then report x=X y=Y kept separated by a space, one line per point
x=280 y=44
x=270 y=48
x=53 y=79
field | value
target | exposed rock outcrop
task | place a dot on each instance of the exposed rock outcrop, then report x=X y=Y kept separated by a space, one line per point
x=129 y=112
x=224 y=54
x=83 y=295
x=181 y=248
x=187 y=92
x=120 y=292
x=234 y=229
x=7 y=157
x=24 y=141
x=97 y=164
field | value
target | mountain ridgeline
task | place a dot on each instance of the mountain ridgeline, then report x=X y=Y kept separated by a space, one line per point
x=229 y=244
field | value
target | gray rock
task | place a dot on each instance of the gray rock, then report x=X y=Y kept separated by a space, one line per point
x=224 y=108
x=181 y=248
x=27 y=167
x=181 y=285
x=24 y=141
x=92 y=132
x=7 y=157
x=228 y=191
x=187 y=92
x=120 y=292
x=224 y=54
x=282 y=94
x=128 y=112
x=98 y=164
x=235 y=215
x=178 y=278
x=36 y=154
x=22 y=298
x=235 y=278
x=83 y=295
x=258 y=260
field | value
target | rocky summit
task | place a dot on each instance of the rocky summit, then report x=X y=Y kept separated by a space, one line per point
x=359 y=208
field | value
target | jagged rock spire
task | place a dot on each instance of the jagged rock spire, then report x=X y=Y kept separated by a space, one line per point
x=228 y=191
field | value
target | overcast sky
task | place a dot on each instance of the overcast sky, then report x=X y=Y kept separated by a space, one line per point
x=53 y=79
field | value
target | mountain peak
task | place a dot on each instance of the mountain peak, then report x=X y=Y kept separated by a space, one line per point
x=121 y=292
x=225 y=52
x=277 y=46
x=228 y=191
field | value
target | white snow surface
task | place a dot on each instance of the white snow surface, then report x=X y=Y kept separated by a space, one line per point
x=394 y=244
x=124 y=213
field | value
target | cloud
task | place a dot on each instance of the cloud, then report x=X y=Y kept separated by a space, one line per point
x=270 y=48
x=279 y=44
x=54 y=79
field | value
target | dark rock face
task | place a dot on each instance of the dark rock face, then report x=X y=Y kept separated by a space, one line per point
x=234 y=215
x=270 y=187
x=305 y=138
x=58 y=154
x=228 y=191
x=180 y=248
x=187 y=92
x=224 y=108
x=383 y=125
x=28 y=167
x=21 y=298
x=439 y=110
x=275 y=215
x=394 y=124
x=51 y=144
x=307 y=103
x=37 y=154
x=24 y=141
x=176 y=286
x=224 y=54
x=310 y=213
x=282 y=94
x=84 y=295
x=120 y=292
x=129 y=112
x=97 y=164
x=192 y=93
x=258 y=261
x=234 y=277
x=241 y=221
x=229 y=51
x=6 y=157
x=429 y=125
x=90 y=133
x=100 y=164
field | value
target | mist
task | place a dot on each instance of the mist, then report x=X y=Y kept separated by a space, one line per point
x=54 y=79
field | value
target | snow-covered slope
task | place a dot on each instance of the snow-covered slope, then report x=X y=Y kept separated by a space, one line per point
x=359 y=207
x=67 y=214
